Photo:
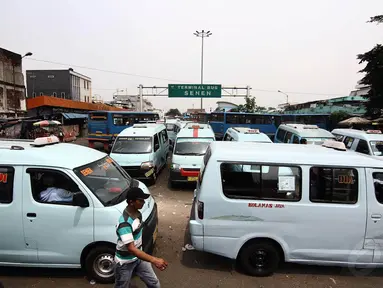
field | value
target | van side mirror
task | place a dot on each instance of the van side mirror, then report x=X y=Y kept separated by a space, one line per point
x=80 y=200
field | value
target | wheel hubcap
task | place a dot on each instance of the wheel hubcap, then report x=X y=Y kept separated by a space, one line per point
x=259 y=259
x=104 y=265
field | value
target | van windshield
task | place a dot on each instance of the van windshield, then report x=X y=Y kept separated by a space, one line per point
x=377 y=147
x=132 y=145
x=106 y=179
x=192 y=146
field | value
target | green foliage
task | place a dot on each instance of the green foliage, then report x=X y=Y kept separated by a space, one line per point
x=374 y=75
x=173 y=112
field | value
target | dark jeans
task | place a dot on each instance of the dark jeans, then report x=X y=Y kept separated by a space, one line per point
x=142 y=269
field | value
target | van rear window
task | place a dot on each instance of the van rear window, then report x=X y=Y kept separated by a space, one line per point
x=262 y=182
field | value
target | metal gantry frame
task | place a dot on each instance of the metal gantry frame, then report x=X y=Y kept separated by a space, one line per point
x=161 y=91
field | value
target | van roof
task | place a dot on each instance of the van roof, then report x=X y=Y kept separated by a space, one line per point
x=62 y=155
x=189 y=131
x=359 y=134
x=249 y=134
x=289 y=154
x=307 y=131
x=144 y=129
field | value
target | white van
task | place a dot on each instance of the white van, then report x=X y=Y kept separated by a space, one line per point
x=295 y=133
x=142 y=150
x=245 y=134
x=189 y=149
x=368 y=142
x=78 y=230
x=306 y=204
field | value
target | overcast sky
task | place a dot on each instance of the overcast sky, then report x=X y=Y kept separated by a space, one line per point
x=306 y=48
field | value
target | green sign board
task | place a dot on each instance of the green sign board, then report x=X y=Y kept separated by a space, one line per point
x=194 y=91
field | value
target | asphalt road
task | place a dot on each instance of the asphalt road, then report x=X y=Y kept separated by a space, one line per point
x=192 y=268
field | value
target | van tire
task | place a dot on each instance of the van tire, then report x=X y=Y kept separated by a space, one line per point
x=99 y=264
x=259 y=259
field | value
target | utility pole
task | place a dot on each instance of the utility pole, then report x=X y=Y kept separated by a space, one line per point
x=140 y=94
x=14 y=81
x=202 y=34
x=287 y=96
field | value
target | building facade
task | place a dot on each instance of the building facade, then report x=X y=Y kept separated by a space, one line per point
x=12 y=88
x=64 y=84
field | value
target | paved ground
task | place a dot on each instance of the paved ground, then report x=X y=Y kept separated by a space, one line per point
x=191 y=268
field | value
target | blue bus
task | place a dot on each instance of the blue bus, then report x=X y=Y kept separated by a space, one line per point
x=321 y=120
x=267 y=123
x=221 y=121
x=104 y=126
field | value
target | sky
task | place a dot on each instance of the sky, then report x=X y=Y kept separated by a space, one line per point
x=306 y=48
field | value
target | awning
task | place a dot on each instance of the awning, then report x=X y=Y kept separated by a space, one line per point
x=74 y=116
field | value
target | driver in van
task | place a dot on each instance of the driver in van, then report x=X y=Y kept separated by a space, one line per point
x=52 y=193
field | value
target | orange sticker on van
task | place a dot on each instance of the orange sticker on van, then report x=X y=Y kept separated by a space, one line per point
x=86 y=171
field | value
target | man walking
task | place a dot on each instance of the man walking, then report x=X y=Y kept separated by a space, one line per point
x=129 y=256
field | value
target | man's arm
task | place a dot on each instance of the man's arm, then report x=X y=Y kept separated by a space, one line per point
x=158 y=262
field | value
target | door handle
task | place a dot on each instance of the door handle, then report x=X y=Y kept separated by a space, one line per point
x=32 y=215
x=376 y=216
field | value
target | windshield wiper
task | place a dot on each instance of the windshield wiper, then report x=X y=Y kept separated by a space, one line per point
x=118 y=199
x=189 y=153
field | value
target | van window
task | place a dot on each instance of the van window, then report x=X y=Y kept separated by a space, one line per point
x=132 y=145
x=288 y=137
x=348 y=142
x=227 y=137
x=378 y=184
x=281 y=134
x=164 y=135
x=296 y=139
x=244 y=181
x=156 y=141
x=6 y=184
x=363 y=147
x=338 y=137
x=377 y=148
x=52 y=187
x=333 y=185
x=170 y=127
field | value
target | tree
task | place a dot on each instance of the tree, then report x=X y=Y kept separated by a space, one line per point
x=173 y=112
x=374 y=75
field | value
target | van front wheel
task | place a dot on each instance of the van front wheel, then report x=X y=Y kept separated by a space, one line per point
x=259 y=258
x=99 y=264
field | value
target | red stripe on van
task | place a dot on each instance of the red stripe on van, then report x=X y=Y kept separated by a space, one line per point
x=195 y=132
x=189 y=173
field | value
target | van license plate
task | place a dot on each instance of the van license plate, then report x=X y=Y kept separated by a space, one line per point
x=155 y=234
x=192 y=179
x=150 y=172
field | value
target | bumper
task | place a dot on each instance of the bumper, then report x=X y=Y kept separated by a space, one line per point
x=182 y=177
x=137 y=173
x=149 y=232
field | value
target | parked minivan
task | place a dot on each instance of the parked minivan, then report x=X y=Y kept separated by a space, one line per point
x=368 y=142
x=68 y=232
x=142 y=150
x=297 y=133
x=189 y=149
x=246 y=134
x=306 y=204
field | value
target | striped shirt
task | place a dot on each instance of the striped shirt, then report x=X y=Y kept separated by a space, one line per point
x=129 y=229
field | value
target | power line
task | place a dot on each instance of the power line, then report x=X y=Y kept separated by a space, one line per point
x=166 y=79
x=108 y=71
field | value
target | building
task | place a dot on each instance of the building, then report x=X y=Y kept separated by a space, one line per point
x=12 y=88
x=353 y=105
x=361 y=90
x=64 y=84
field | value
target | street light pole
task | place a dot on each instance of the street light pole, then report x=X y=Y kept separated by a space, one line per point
x=287 y=96
x=14 y=80
x=202 y=34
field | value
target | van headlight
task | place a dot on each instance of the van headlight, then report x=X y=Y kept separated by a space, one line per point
x=147 y=165
x=175 y=167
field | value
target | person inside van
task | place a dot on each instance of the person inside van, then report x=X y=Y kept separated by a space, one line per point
x=53 y=193
x=303 y=141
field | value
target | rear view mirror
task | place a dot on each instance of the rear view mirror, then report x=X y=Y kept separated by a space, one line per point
x=80 y=200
